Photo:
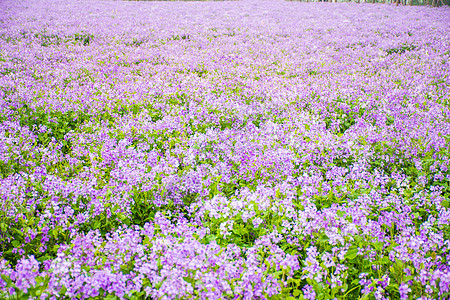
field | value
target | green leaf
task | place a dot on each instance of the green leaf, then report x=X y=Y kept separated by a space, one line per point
x=211 y=237
x=189 y=280
x=278 y=194
x=385 y=260
x=378 y=246
x=393 y=287
x=114 y=208
x=63 y=291
x=324 y=238
x=20 y=233
x=277 y=274
x=351 y=253
x=97 y=224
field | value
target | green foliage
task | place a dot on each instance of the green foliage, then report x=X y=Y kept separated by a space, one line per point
x=401 y=49
x=180 y=37
x=15 y=232
x=345 y=112
x=146 y=204
x=326 y=201
x=56 y=124
x=47 y=40
x=83 y=38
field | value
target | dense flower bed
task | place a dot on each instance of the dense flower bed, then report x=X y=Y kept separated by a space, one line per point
x=224 y=150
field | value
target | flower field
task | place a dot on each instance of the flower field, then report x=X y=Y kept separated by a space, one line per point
x=224 y=150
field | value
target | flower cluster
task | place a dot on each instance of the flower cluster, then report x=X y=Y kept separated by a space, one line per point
x=224 y=150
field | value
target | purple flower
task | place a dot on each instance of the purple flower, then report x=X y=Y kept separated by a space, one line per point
x=308 y=292
x=218 y=150
x=25 y=273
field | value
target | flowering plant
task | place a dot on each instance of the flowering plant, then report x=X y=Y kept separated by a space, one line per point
x=224 y=150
